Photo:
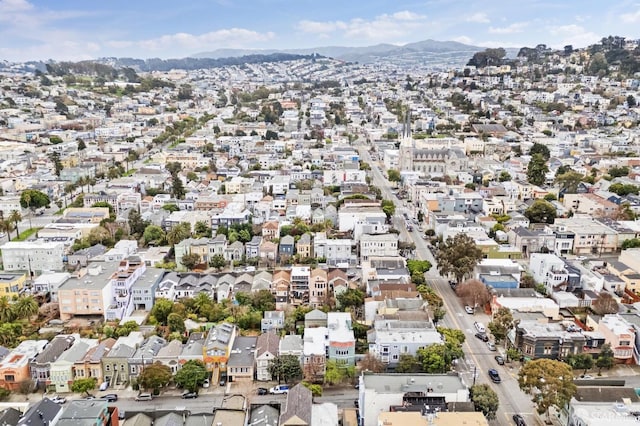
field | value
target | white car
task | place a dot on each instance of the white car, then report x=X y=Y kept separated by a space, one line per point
x=469 y=309
x=491 y=346
x=581 y=257
x=58 y=399
x=480 y=327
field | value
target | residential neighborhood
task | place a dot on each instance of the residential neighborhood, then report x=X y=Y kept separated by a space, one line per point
x=318 y=242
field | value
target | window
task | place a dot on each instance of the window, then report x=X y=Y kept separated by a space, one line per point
x=547 y=350
x=624 y=343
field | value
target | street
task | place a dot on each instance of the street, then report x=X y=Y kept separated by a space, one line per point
x=478 y=358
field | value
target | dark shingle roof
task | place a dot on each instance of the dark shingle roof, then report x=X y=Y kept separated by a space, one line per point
x=298 y=404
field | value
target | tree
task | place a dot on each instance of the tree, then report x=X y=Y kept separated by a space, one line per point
x=489 y=56
x=285 y=368
x=202 y=230
x=541 y=211
x=458 y=256
x=371 y=363
x=217 y=261
x=416 y=266
x=161 y=310
x=606 y=358
x=389 y=208
x=501 y=324
x=474 y=293
x=190 y=260
x=136 y=224
x=538 y=148
x=537 y=170
x=605 y=304
x=549 y=382
x=177 y=187
x=352 y=297
x=263 y=300
x=393 y=175
x=504 y=176
x=175 y=323
x=485 y=400
x=7 y=313
x=171 y=207
x=580 y=362
x=16 y=218
x=153 y=234
x=54 y=157
x=408 y=363
x=616 y=171
x=192 y=374
x=178 y=233
x=569 y=182
x=155 y=376
x=34 y=199
x=316 y=390
x=432 y=358
x=83 y=385
x=25 y=307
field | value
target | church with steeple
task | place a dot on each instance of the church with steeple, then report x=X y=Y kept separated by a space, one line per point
x=430 y=156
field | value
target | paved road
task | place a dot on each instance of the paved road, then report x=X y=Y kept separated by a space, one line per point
x=478 y=356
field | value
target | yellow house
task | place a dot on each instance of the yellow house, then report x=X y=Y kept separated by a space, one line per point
x=11 y=284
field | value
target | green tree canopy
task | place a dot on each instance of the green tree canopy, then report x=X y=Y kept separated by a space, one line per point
x=190 y=260
x=541 y=149
x=153 y=234
x=83 y=385
x=605 y=358
x=549 y=382
x=192 y=374
x=485 y=400
x=285 y=368
x=569 y=182
x=155 y=376
x=458 y=256
x=217 y=261
x=501 y=324
x=161 y=310
x=352 y=297
x=34 y=199
x=541 y=211
x=389 y=208
x=537 y=169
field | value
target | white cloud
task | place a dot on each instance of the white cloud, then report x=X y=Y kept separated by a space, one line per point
x=480 y=18
x=516 y=27
x=232 y=37
x=631 y=18
x=12 y=6
x=572 y=34
x=387 y=27
x=463 y=39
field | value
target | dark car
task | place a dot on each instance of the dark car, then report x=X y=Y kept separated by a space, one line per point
x=189 y=395
x=482 y=336
x=494 y=376
x=499 y=359
x=519 y=420
x=223 y=381
x=110 y=397
x=262 y=391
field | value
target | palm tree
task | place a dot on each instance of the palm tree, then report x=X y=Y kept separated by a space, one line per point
x=201 y=301
x=6 y=226
x=6 y=309
x=26 y=307
x=16 y=218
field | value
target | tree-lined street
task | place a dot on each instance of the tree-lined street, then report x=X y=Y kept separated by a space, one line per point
x=478 y=358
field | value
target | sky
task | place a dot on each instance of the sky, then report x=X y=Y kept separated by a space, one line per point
x=86 y=29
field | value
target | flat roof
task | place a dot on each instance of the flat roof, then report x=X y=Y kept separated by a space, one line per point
x=414 y=382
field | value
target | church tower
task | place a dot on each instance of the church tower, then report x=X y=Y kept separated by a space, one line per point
x=407 y=146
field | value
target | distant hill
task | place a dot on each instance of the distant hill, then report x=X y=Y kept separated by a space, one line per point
x=423 y=52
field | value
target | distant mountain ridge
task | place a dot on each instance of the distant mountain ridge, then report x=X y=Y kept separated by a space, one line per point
x=365 y=54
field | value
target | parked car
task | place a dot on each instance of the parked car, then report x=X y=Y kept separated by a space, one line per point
x=144 y=397
x=121 y=414
x=499 y=359
x=189 y=395
x=482 y=336
x=519 y=420
x=262 y=391
x=110 y=397
x=58 y=399
x=469 y=309
x=586 y=377
x=279 y=390
x=491 y=346
x=223 y=380
x=104 y=386
x=206 y=383
x=494 y=376
x=479 y=326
